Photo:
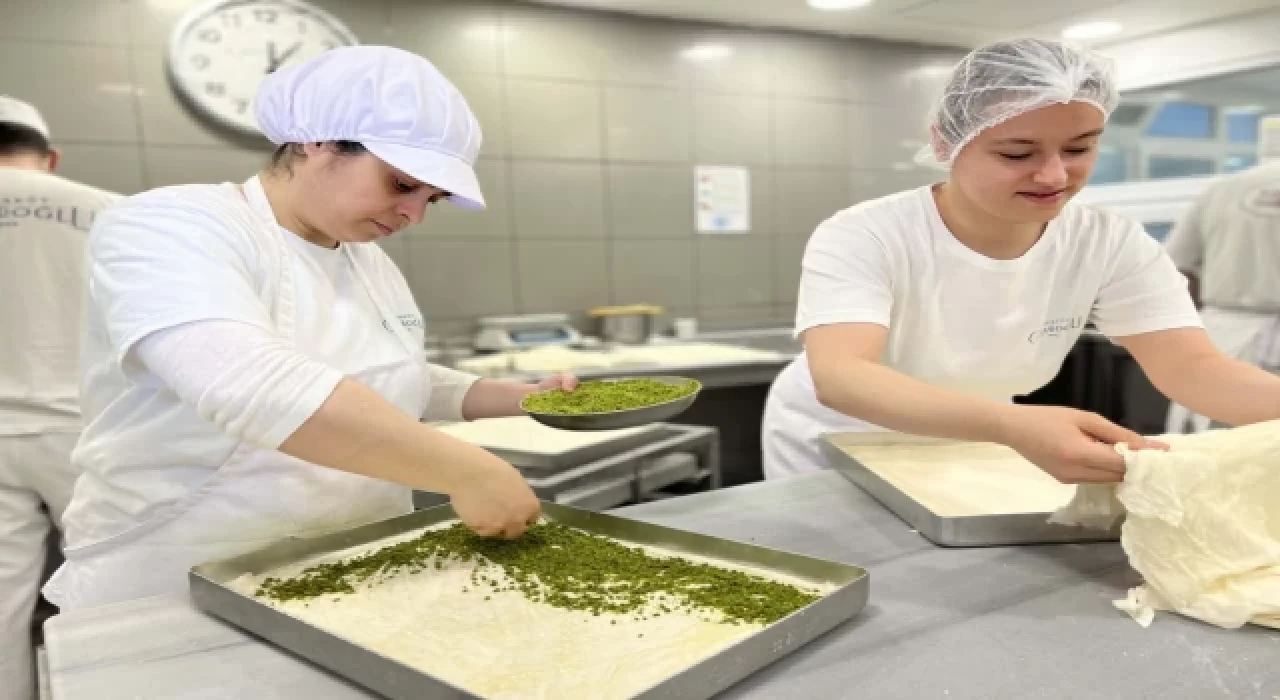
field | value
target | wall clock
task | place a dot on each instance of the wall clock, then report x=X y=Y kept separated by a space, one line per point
x=220 y=51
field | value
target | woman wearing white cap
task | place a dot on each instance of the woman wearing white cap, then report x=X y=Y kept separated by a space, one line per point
x=254 y=363
x=926 y=311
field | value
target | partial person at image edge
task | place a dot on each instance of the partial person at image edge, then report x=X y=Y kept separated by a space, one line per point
x=1228 y=245
x=44 y=224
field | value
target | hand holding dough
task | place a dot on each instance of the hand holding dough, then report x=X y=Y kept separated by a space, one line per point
x=1202 y=526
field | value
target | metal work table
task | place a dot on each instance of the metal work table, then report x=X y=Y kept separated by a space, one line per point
x=1016 y=622
x=718 y=375
x=712 y=375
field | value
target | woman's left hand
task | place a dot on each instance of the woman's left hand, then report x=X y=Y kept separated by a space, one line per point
x=498 y=398
x=559 y=380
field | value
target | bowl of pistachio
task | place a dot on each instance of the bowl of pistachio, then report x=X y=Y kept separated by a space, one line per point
x=612 y=404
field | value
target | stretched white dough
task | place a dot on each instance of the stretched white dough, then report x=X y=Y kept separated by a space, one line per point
x=1202 y=525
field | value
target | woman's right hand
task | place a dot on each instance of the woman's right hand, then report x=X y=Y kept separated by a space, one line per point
x=1074 y=447
x=494 y=500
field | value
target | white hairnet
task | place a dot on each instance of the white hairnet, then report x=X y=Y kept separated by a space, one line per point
x=394 y=102
x=1005 y=79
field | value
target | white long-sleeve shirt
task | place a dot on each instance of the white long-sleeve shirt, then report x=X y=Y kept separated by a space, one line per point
x=258 y=388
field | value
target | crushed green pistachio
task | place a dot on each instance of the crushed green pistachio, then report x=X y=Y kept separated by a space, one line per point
x=601 y=396
x=566 y=568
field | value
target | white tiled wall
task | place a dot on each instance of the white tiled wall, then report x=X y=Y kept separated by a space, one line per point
x=593 y=124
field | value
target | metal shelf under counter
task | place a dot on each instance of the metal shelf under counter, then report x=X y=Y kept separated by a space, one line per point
x=683 y=456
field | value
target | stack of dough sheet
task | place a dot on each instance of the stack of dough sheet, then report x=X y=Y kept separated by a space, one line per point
x=1200 y=521
x=1202 y=525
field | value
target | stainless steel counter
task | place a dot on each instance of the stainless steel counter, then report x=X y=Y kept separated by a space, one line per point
x=1010 y=622
x=712 y=376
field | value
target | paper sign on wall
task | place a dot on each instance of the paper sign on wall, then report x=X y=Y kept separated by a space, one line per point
x=1269 y=139
x=722 y=195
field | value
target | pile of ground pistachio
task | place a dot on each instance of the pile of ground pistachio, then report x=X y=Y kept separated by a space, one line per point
x=563 y=567
x=602 y=396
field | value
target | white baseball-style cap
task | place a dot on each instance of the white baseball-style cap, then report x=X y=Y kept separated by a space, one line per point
x=15 y=111
x=395 y=103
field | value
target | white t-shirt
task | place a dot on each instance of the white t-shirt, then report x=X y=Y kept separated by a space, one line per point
x=44 y=223
x=1231 y=240
x=180 y=255
x=960 y=320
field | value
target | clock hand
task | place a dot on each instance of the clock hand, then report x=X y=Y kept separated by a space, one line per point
x=274 y=62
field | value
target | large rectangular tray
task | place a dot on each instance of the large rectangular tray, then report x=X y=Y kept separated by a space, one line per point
x=399 y=681
x=949 y=531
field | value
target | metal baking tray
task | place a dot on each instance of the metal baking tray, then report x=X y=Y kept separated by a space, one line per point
x=398 y=681
x=950 y=531
x=593 y=447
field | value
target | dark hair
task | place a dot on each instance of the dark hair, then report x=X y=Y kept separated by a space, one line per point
x=16 y=139
x=287 y=153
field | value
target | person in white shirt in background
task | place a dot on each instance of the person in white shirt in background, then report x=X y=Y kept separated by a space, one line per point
x=1228 y=246
x=44 y=224
x=927 y=311
x=254 y=363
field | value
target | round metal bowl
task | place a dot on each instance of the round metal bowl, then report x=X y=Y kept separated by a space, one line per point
x=617 y=420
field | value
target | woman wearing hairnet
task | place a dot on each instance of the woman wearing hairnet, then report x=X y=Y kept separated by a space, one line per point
x=926 y=311
x=253 y=364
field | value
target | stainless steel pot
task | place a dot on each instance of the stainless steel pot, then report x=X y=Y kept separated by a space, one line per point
x=628 y=325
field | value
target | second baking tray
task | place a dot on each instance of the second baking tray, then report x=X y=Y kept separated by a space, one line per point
x=531 y=446
x=703 y=679
x=948 y=530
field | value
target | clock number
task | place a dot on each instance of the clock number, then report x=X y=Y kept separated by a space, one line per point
x=220 y=51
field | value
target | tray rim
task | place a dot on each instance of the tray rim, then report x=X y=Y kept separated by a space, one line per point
x=950 y=530
x=381 y=674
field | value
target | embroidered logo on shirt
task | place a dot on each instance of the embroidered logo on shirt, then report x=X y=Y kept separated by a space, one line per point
x=406 y=320
x=15 y=209
x=1056 y=327
x=1264 y=201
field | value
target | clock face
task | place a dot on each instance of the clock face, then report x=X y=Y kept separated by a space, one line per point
x=220 y=51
